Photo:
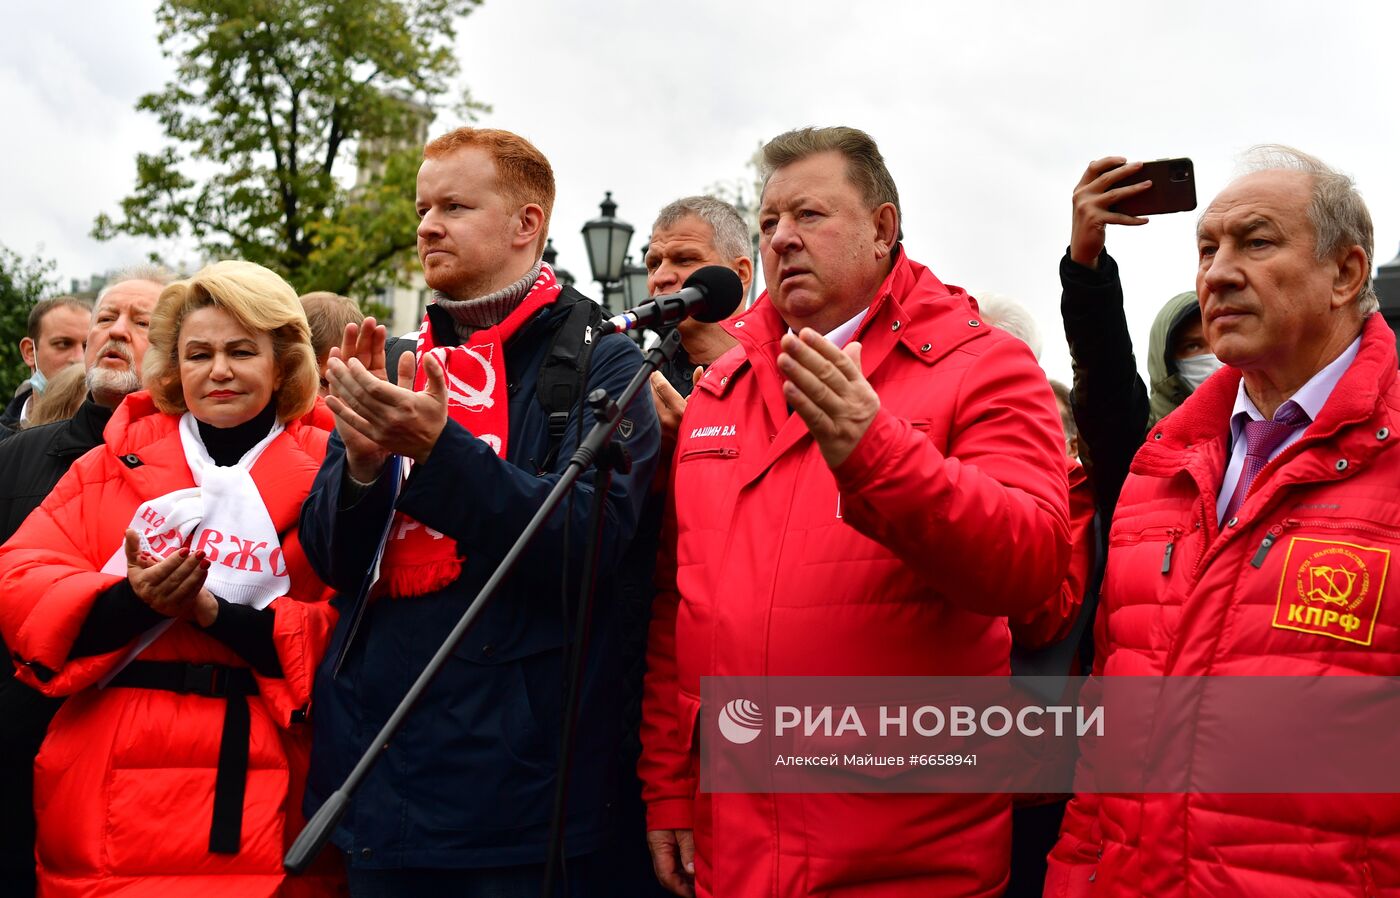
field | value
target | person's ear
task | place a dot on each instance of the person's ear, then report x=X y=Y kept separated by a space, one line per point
x=886 y=229
x=529 y=226
x=26 y=352
x=743 y=266
x=1352 y=270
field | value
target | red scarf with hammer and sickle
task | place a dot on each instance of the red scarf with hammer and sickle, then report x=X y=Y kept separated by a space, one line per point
x=419 y=560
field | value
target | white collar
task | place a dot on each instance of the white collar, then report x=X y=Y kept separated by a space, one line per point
x=1310 y=397
x=842 y=333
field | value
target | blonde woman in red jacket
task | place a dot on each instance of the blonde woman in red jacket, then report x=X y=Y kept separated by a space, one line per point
x=161 y=587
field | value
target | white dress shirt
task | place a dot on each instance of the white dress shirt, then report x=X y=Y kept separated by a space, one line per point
x=1311 y=397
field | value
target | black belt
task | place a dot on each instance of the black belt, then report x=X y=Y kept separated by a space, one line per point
x=212 y=681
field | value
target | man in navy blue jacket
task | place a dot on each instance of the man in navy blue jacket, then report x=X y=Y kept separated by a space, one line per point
x=460 y=802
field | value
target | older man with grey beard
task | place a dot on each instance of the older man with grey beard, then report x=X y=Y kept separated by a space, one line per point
x=31 y=463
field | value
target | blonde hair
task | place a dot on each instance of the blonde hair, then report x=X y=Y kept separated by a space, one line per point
x=261 y=302
x=327 y=314
x=64 y=392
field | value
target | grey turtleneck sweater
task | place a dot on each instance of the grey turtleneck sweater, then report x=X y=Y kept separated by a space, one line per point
x=472 y=315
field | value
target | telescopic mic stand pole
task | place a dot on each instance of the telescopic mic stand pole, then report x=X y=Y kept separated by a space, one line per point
x=319 y=827
x=613 y=458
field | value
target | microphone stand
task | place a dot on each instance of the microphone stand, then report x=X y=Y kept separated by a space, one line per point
x=318 y=829
x=613 y=458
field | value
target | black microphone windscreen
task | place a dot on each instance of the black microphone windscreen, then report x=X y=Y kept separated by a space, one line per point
x=723 y=292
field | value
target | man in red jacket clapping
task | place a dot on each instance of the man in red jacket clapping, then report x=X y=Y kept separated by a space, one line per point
x=866 y=486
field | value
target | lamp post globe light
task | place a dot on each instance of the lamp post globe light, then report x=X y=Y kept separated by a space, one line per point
x=606 y=238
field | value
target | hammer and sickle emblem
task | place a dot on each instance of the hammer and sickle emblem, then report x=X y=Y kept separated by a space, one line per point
x=463 y=394
x=1330 y=585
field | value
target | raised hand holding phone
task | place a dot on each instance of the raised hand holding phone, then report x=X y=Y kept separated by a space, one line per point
x=1116 y=191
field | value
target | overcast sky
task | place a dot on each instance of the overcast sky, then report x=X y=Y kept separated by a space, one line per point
x=987 y=114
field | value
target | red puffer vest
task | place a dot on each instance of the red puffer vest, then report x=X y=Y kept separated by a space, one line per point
x=1185 y=596
x=124 y=783
x=950 y=514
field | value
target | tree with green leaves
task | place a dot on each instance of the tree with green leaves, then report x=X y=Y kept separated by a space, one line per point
x=23 y=282
x=273 y=101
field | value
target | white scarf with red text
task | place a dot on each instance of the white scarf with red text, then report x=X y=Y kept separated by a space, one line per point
x=222 y=515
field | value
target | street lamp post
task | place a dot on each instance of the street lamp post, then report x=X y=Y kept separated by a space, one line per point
x=549 y=255
x=634 y=282
x=606 y=238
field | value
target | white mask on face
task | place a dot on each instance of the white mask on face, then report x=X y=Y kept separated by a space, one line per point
x=1195 y=369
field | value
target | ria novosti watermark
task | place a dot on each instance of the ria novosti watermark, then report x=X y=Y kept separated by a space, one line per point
x=985 y=734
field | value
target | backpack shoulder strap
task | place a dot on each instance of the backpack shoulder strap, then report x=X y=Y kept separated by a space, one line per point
x=395 y=348
x=564 y=373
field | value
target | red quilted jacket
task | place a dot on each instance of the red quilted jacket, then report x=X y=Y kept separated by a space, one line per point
x=1213 y=611
x=1054 y=619
x=949 y=516
x=124 y=782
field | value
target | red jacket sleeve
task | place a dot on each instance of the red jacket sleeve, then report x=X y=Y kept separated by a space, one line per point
x=988 y=522
x=1052 y=621
x=49 y=577
x=666 y=767
x=301 y=633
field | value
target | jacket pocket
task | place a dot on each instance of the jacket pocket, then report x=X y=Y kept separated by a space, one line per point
x=526 y=695
x=709 y=452
x=1126 y=536
x=1330 y=577
x=687 y=721
x=158 y=822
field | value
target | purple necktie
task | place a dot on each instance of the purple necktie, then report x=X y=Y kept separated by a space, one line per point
x=1261 y=438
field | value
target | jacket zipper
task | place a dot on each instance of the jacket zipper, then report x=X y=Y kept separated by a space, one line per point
x=1170 y=548
x=1358 y=526
x=1367 y=880
x=1269 y=539
x=721 y=451
x=1277 y=530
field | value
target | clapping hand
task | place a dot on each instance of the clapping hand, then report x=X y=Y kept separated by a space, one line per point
x=827 y=390
x=173 y=585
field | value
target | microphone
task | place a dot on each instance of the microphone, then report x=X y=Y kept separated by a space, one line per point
x=710 y=294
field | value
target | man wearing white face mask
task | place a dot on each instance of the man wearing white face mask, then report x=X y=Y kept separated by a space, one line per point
x=1112 y=407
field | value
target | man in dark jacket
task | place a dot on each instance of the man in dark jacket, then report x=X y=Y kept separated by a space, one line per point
x=31 y=463
x=52 y=341
x=461 y=801
x=1112 y=407
x=689 y=234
